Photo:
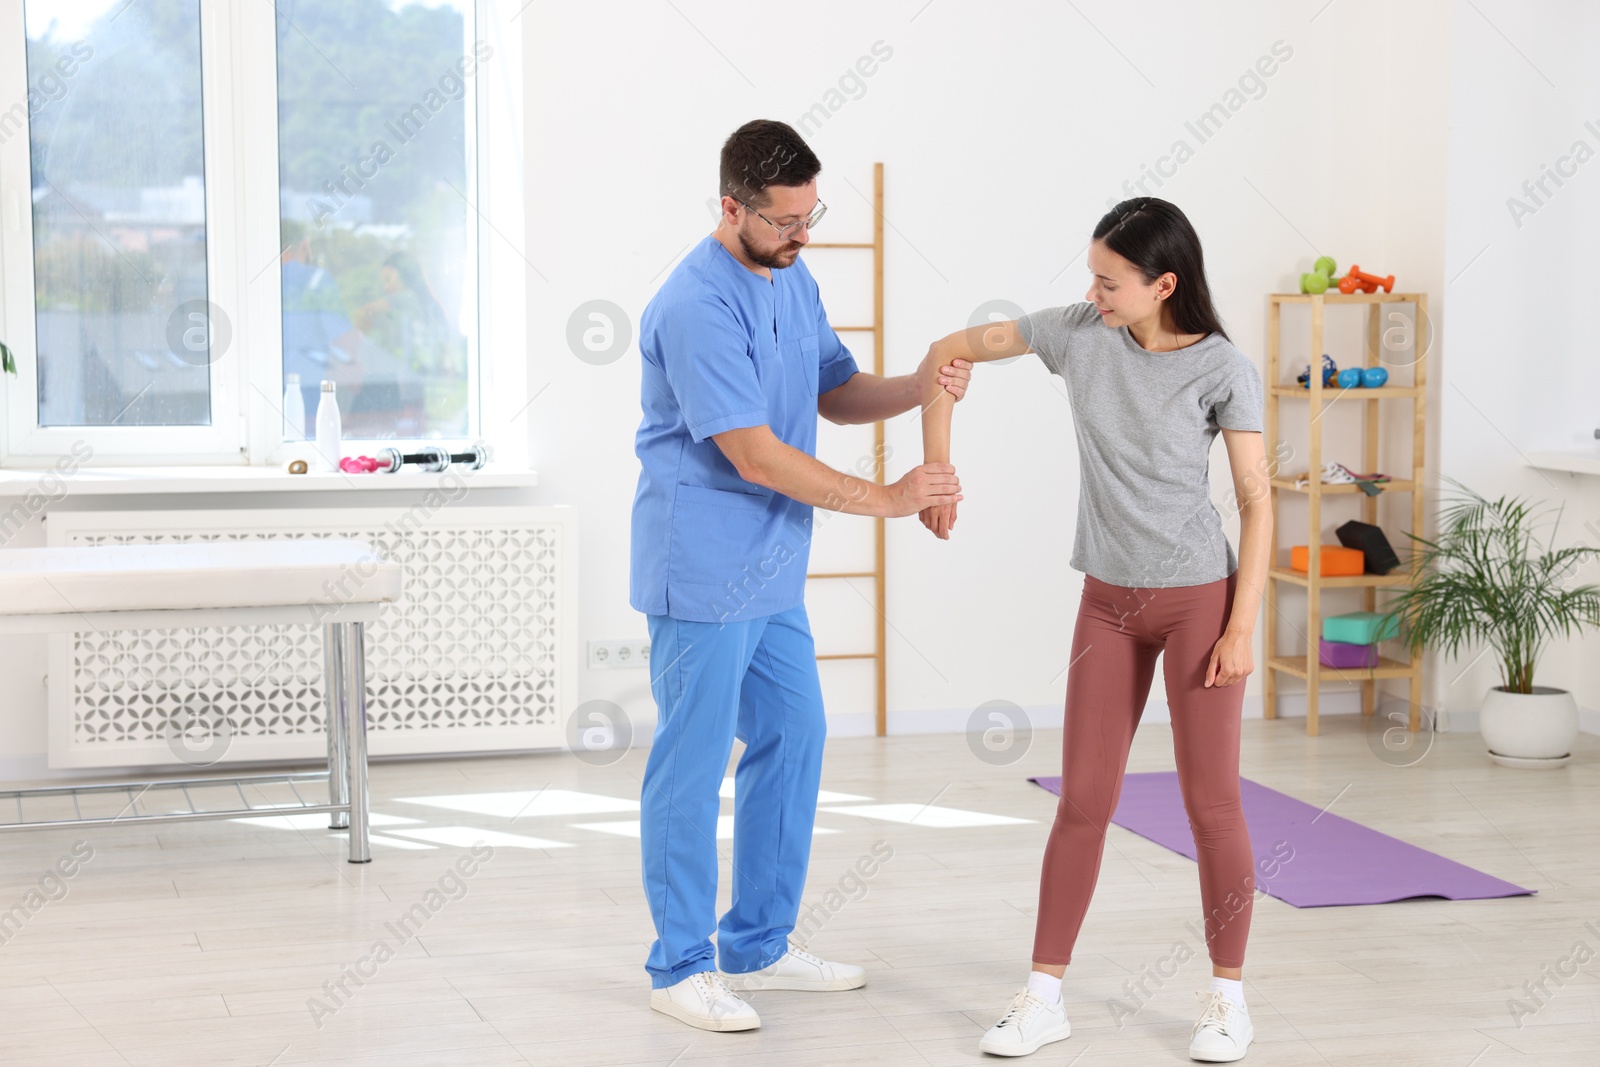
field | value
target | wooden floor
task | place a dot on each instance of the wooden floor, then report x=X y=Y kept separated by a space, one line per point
x=221 y=944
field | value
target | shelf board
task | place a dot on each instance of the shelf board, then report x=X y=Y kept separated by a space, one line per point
x=1399 y=485
x=1331 y=393
x=1300 y=667
x=1336 y=297
x=1343 y=581
x=1571 y=462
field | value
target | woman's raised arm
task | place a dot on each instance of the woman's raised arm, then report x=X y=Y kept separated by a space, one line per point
x=980 y=344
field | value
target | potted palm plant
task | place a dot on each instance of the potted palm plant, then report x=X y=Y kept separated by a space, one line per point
x=1488 y=580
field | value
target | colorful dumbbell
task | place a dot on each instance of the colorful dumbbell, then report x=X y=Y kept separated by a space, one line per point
x=431 y=458
x=1330 y=371
x=1321 y=276
x=359 y=465
x=1367 y=283
x=1361 y=378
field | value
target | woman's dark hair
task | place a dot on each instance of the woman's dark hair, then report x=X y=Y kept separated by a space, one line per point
x=1156 y=237
x=762 y=153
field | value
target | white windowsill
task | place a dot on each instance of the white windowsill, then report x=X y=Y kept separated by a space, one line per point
x=122 y=481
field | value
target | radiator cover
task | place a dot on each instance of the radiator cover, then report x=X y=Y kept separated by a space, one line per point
x=479 y=654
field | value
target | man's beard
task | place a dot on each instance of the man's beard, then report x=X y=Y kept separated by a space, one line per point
x=778 y=260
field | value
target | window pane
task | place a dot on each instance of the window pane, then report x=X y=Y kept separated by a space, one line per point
x=119 y=202
x=379 y=285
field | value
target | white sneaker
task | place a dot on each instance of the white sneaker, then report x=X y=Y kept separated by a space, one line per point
x=1223 y=1033
x=1028 y=1025
x=704 y=1000
x=799 y=969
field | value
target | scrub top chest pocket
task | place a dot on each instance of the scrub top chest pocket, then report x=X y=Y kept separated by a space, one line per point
x=788 y=374
x=804 y=355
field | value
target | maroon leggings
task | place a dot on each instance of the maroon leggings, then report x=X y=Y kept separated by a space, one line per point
x=1120 y=632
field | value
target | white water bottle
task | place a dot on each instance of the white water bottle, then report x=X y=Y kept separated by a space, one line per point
x=294 y=410
x=328 y=428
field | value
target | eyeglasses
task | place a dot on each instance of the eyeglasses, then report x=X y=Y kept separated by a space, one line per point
x=788 y=228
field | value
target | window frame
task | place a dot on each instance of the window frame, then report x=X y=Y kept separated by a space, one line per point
x=239 y=94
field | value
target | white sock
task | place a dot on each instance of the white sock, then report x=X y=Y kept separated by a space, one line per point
x=1231 y=988
x=1047 y=987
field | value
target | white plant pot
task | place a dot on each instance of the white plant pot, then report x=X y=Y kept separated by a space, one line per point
x=1534 y=729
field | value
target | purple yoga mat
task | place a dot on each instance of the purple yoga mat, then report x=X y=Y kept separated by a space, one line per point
x=1330 y=861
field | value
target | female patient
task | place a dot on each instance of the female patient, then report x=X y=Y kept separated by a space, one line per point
x=1152 y=379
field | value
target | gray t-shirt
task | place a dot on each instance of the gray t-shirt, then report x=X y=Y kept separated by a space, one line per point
x=1145 y=423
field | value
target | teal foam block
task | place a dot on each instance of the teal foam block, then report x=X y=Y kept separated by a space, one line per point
x=1360 y=627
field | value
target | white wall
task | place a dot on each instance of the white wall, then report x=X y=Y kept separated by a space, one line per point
x=1523 y=361
x=1391 y=137
x=1004 y=128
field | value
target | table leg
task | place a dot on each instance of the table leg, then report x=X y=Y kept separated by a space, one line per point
x=353 y=653
x=334 y=705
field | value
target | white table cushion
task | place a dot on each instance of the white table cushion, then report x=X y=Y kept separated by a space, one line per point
x=234 y=574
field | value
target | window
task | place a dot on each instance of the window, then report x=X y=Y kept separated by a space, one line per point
x=199 y=201
x=374 y=170
x=119 y=234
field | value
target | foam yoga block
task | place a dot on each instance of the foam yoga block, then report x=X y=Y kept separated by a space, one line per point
x=1369 y=540
x=1336 y=560
x=1340 y=654
x=1360 y=628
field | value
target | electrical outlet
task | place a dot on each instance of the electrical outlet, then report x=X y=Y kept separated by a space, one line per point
x=619 y=653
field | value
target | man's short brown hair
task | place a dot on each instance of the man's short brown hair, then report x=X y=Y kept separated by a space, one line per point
x=763 y=153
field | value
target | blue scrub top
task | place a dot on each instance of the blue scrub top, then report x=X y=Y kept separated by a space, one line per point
x=724 y=348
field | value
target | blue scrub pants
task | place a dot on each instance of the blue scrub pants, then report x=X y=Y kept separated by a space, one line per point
x=755 y=680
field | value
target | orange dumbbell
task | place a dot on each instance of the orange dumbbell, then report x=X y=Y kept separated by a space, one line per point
x=1367 y=283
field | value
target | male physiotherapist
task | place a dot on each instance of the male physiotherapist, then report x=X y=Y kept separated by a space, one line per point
x=739 y=360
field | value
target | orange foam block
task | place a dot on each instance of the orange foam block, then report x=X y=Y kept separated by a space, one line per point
x=1337 y=560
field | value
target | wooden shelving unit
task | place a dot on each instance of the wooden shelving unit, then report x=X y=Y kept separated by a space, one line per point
x=1306 y=666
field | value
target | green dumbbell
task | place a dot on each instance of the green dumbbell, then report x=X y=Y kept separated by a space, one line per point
x=1321 y=276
